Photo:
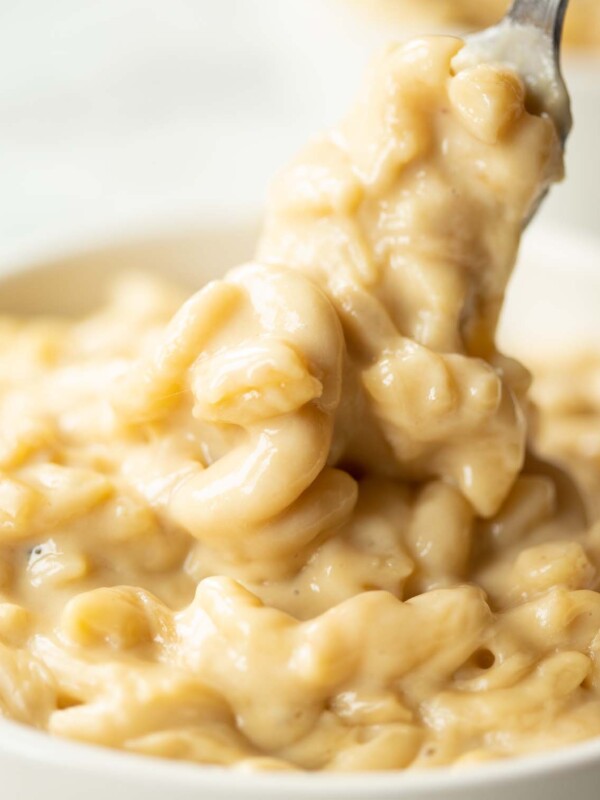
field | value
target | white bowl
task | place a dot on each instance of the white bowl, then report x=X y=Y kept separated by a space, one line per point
x=553 y=302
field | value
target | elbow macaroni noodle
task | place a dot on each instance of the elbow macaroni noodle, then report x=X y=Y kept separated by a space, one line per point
x=295 y=522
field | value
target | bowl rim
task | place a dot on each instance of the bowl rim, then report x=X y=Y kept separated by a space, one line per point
x=36 y=747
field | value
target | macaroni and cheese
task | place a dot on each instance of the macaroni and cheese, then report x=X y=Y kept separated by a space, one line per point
x=296 y=521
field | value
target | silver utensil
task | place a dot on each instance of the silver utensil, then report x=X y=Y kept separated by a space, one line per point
x=528 y=40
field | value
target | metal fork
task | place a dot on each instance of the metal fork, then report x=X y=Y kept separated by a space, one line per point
x=528 y=40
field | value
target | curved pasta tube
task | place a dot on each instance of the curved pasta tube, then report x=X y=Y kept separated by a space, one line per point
x=149 y=390
x=372 y=639
x=446 y=416
x=556 y=619
x=272 y=368
x=27 y=689
x=537 y=696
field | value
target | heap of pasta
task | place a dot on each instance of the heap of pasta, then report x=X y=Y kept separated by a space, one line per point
x=296 y=522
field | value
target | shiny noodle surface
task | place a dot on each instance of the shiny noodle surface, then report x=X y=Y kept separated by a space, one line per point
x=295 y=521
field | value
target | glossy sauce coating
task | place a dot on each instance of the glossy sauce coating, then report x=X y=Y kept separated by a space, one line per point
x=295 y=521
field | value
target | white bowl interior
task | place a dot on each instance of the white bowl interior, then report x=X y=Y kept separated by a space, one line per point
x=75 y=283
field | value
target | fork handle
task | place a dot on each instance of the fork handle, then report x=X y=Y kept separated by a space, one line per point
x=547 y=15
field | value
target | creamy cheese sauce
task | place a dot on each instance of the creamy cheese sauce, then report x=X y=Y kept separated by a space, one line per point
x=295 y=521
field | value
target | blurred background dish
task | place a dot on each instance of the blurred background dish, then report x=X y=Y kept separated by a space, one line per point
x=582 y=23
